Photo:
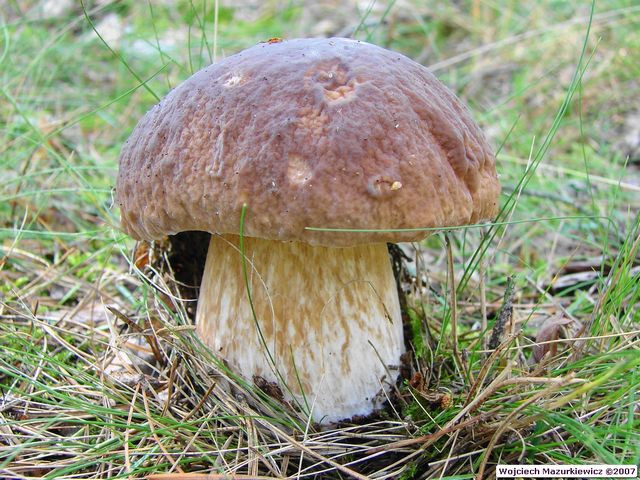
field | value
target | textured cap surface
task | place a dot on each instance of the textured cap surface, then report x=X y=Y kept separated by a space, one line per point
x=330 y=133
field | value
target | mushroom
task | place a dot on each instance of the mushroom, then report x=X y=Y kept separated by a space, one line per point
x=329 y=133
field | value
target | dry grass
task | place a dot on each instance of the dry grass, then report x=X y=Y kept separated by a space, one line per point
x=101 y=374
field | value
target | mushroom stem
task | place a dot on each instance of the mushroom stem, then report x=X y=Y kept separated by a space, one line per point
x=327 y=326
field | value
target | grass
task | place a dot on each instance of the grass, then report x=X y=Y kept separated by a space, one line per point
x=101 y=374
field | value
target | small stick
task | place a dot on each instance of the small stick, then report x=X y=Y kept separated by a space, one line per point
x=149 y=337
x=506 y=311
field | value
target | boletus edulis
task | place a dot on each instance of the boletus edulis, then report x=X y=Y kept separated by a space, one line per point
x=326 y=133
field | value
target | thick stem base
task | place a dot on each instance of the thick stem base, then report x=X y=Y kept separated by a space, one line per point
x=328 y=328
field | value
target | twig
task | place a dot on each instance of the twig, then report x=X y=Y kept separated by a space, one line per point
x=170 y=383
x=506 y=311
x=201 y=402
x=151 y=339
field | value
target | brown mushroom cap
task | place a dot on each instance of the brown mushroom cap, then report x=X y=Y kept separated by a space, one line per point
x=331 y=133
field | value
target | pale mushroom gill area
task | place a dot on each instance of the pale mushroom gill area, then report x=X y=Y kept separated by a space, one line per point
x=329 y=317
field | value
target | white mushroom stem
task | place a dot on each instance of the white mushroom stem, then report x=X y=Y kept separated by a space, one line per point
x=329 y=317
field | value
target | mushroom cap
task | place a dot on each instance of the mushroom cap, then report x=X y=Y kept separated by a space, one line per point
x=329 y=133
